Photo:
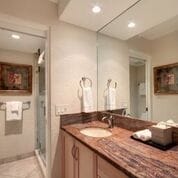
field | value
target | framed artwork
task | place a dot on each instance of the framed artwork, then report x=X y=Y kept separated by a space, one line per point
x=166 y=79
x=15 y=79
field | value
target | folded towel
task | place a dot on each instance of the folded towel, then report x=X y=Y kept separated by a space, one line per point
x=87 y=99
x=13 y=110
x=143 y=135
x=111 y=99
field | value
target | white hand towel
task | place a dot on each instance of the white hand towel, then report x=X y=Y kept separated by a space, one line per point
x=87 y=99
x=13 y=110
x=142 y=89
x=111 y=99
x=143 y=135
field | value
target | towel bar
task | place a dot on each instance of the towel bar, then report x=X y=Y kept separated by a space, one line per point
x=24 y=103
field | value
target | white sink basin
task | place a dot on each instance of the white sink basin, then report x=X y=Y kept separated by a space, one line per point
x=96 y=132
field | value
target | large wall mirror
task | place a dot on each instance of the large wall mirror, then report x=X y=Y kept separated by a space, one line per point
x=130 y=47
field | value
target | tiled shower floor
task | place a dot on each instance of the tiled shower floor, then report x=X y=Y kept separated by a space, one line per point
x=25 y=168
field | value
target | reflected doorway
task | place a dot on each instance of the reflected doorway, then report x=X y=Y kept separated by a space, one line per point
x=138 y=90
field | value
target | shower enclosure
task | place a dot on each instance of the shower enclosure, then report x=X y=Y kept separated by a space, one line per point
x=41 y=102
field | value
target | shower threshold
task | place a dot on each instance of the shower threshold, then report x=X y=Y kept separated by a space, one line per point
x=41 y=161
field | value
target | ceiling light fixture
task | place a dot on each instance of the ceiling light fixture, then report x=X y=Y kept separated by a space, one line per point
x=15 y=36
x=131 y=24
x=96 y=9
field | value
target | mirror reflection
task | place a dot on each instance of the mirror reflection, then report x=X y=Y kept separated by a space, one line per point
x=130 y=48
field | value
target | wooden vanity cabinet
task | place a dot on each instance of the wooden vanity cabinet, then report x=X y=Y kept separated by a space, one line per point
x=78 y=161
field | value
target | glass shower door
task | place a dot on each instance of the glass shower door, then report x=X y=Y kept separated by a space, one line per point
x=41 y=118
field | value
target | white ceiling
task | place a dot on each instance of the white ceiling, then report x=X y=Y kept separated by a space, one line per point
x=26 y=43
x=146 y=14
x=161 y=29
x=79 y=12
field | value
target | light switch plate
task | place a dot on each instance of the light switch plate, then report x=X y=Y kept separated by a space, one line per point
x=61 y=109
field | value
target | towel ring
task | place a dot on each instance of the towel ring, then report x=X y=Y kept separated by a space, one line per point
x=109 y=83
x=83 y=80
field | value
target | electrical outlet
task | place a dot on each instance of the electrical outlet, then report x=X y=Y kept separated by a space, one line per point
x=61 y=109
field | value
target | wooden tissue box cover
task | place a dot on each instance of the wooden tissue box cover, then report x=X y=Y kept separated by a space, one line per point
x=162 y=136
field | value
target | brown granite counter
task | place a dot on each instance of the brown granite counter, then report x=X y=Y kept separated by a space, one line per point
x=132 y=157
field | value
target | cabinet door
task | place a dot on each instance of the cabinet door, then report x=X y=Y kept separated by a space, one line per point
x=85 y=162
x=68 y=160
x=106 y=170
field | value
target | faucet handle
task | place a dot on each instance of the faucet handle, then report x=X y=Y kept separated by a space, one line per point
x=111 y=117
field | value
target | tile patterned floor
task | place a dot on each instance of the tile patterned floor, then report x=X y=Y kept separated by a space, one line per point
x=25 y=168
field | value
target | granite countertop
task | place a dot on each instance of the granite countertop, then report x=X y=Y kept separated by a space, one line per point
x=134 y=158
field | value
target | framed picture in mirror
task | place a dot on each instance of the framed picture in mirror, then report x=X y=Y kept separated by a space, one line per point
x=15 y=79
x=166 y=79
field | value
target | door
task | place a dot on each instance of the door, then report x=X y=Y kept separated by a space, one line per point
x=85 y=162
x=68 y=153
x=77 y=159
x=41 y=113
x=138 y=88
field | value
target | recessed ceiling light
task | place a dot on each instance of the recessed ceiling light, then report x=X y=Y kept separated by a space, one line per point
x=131 y=24
x=15 y=36
x=96 y=9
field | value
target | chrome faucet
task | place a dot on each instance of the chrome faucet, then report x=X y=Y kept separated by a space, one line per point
x=124 y=112
x=110 y=120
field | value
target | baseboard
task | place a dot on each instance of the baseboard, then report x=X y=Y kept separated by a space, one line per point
x=16 y=158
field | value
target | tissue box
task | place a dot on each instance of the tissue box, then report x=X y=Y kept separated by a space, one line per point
x=175 y=135
x=161 y=134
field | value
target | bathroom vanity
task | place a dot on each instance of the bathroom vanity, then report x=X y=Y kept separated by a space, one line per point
x=116 y=156
x=84 y=161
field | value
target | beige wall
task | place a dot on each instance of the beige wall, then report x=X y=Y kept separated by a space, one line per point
x=165 y=51
x=140 y=44
x=162 y=51
x=41 y=11
x=113 y=63
x=73 y=55
x=17 y=137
